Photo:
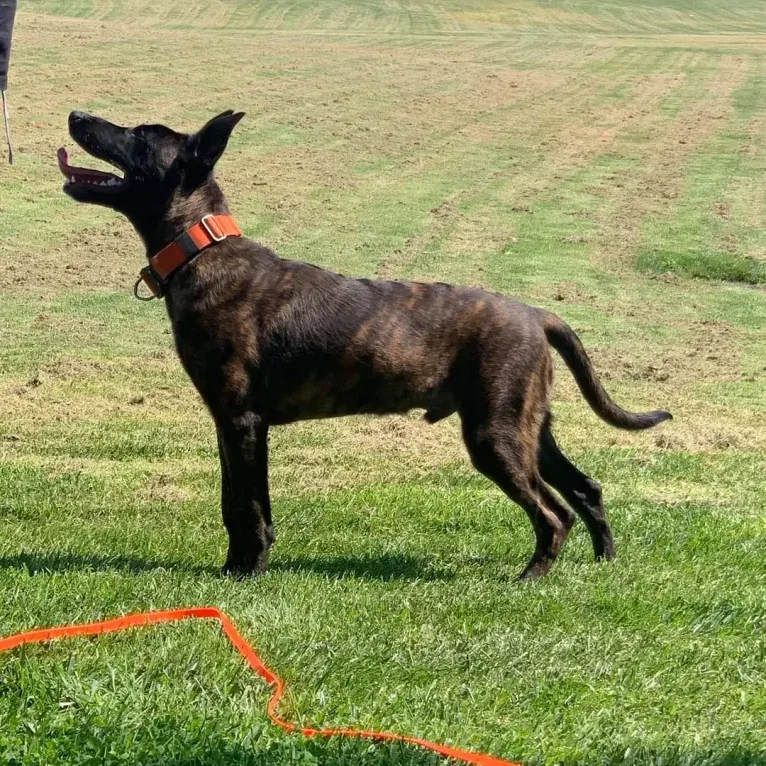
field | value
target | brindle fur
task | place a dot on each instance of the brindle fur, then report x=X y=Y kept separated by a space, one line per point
x=268 y=341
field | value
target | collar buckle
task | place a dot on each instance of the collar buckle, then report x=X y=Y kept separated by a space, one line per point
x=208 y=223
x=150 y=279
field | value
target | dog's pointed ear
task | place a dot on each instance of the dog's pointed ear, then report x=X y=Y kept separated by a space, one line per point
x=207 y=144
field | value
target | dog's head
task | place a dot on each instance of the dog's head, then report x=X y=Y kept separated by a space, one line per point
x=158 y=165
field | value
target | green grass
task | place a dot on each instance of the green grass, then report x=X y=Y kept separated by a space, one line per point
x=601 y=159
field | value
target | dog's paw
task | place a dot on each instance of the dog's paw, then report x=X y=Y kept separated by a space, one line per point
x=241 y=567
x=534 y=571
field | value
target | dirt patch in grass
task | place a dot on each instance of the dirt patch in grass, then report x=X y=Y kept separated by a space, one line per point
x=72 y=389
x=108 y=256
x=162 y=489
x=727 y=44
x=711 y=350
x=294 y=168
x=392 y=449
x=409 y=438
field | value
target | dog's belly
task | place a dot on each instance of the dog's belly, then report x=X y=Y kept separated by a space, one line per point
x=316 y=398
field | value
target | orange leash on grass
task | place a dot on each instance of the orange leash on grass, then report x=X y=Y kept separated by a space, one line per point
x=253 y=660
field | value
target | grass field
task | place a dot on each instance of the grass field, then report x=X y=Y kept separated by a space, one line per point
x=602 y=159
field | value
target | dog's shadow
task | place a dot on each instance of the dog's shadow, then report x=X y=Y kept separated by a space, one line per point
x=66 y=561
x=383 y=567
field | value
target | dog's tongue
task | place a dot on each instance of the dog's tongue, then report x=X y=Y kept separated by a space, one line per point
x=84 y=174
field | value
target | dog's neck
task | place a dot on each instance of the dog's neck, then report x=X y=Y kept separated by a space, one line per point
x=182 y=213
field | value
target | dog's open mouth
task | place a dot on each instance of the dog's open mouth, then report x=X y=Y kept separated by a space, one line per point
x=86 y=176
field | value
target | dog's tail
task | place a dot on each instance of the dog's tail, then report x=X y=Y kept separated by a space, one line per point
x=563 y=338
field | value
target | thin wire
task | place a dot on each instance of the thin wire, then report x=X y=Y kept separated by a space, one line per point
x=7 y=128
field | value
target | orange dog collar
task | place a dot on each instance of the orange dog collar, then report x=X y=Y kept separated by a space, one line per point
x=210 y=230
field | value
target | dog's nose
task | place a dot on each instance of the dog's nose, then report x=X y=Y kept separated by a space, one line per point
x=78 y=116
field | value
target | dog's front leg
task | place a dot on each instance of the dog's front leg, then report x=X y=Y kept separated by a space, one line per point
x=243 y=447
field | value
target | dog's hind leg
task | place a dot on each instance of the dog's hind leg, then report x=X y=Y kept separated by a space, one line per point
x=579 y=490
x=243 y=446
x=503 y=453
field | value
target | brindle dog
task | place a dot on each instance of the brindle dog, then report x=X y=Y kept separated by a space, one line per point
x=268 y=341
